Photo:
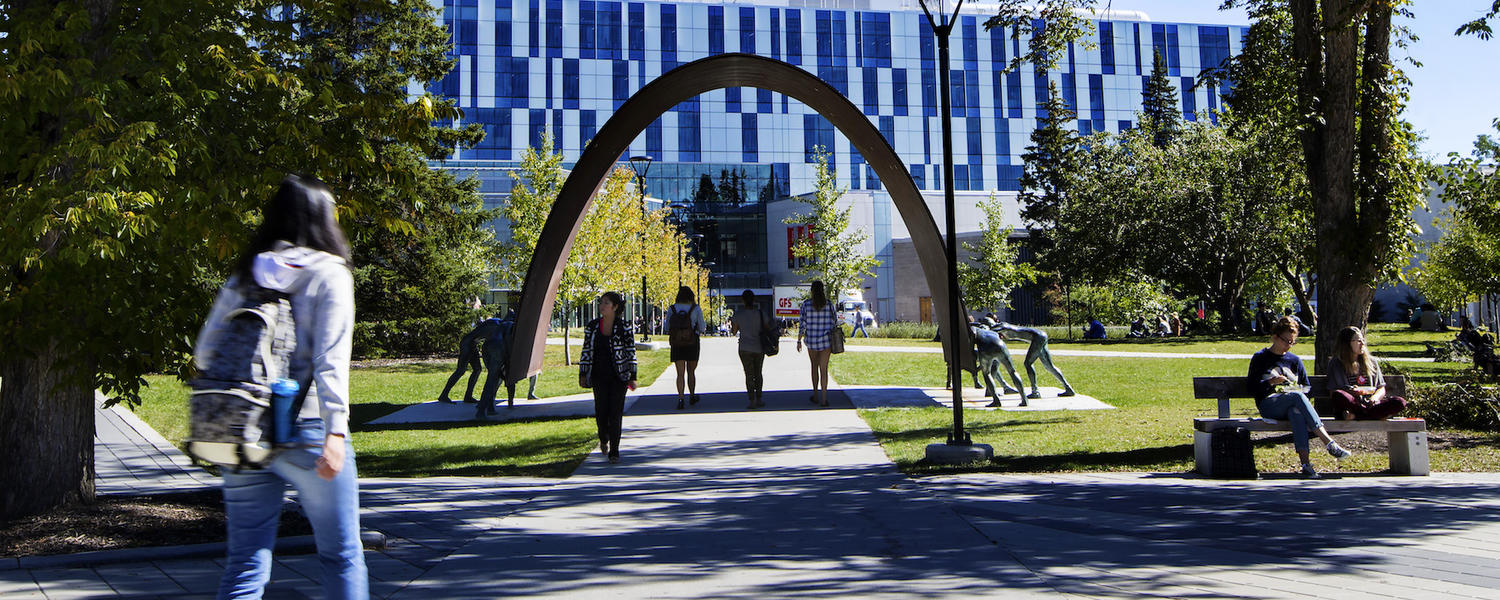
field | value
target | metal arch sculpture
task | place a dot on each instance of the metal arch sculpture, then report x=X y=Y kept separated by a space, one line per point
x=656 y=98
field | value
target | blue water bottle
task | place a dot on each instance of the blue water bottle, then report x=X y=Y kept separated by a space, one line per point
x=283 y=393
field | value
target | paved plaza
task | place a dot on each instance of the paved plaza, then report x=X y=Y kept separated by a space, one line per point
x=798 y=501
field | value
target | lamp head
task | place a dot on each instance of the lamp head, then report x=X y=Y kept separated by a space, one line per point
x=640 y=164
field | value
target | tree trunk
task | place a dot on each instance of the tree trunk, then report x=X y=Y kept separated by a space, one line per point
x=1229 y=322
x=46 y=433
x=1304 y=298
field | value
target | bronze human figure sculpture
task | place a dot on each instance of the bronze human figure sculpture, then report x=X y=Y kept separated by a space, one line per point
x=468 y=359
x=990 y=354
x=1036 y=340
x=496 y=352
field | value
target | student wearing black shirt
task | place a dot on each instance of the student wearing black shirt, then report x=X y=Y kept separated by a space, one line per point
x=1276 y=368
x=608 y=365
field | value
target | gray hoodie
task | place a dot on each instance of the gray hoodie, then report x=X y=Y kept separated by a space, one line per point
x=322 y=291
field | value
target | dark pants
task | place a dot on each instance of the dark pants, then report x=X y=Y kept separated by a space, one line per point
x=468 y=359
x=754 y=380
x=1385 y=409
x=609 y=410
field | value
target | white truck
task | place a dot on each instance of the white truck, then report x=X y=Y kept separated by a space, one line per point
x=851 y=305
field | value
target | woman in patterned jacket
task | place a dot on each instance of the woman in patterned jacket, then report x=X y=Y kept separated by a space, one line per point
x=818 y=321
x=608 y=366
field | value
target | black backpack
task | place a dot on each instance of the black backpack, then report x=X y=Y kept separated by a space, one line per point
x=680 y=328
x=1232 y=457
x=770 y=334
x=230 y=411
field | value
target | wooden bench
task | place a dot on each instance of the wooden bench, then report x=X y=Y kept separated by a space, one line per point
x=1408 y=437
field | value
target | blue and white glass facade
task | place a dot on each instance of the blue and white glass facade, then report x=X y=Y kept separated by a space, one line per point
x=530 y=67
x=526 y=67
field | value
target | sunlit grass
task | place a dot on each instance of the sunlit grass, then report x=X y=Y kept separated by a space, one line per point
x=1150 y=429
x=543 y=448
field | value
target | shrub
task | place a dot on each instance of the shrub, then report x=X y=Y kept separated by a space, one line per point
x=905 y=329
x=421 y=336
x=1468 y=402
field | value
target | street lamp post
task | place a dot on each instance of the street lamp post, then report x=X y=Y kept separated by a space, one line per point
x=641 y=165
x=702 y=277
x=960 y=448
x=695 y=238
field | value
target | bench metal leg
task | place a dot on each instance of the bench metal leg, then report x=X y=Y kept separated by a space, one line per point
x=1408 y=452
x=1203 y=456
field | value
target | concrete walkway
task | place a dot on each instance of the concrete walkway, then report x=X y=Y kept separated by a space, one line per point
x=798 y=501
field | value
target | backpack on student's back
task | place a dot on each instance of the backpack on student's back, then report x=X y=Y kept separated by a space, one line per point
x=680 y=330
x=770 y=334
x=230 y=413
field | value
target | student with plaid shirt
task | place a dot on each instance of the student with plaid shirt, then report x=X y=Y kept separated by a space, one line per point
x=818 y=321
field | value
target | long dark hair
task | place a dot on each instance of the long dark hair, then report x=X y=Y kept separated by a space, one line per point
x=1354 y=364
x=617 y=301
x=302 y=214
x=819 y=297
x=685 y=295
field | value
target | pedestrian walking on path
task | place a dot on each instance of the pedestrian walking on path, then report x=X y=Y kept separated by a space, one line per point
x=300 y=251
x=608 y=366
x=684 y=325
x=818 y=321
x=1279 y=382
x=748 y=322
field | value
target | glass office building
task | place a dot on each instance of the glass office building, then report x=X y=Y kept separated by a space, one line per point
x=526 y=68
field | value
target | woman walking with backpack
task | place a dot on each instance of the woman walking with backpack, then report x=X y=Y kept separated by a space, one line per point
x=818 y=321
x=749 y=321
x=684 y=323
x=300 y=251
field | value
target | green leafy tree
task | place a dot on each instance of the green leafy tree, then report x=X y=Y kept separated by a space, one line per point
x=416 y=292
x=1360 y=157
x=1463 y=264
x=1160 y=111
x=1190 y=215
x=832 y=250
x=1480 y=27
x=1472 y=185
x=605 y=254
x=1262 y=106
x=1050 y=167
x=141 y=140
x=537 y=183
x=1115 y=302
x=993 y=269
x=1049 y=27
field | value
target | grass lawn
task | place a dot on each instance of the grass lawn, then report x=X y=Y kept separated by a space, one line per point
x=543 y=448
x=1387 y=340
x=1149 y=431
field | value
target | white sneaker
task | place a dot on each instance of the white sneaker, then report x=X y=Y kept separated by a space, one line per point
x=1268 y=420
x=1337 y=451
x=1308 y=472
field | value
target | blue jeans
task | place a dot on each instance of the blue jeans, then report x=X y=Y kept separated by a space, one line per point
x=252 y=505
x=1294 y=408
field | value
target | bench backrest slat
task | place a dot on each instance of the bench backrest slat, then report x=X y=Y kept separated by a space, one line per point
x=1224 y=388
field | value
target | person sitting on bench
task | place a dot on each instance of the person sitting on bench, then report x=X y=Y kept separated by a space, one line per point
x=1355 y=382
x=1279 y=382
